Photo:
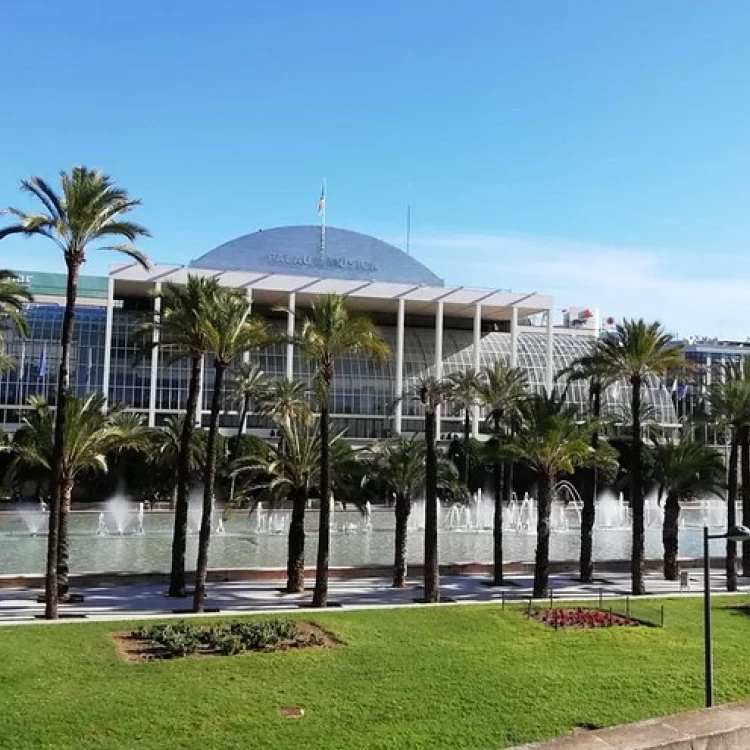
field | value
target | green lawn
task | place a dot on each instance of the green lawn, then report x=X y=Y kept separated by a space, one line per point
x=454 y=677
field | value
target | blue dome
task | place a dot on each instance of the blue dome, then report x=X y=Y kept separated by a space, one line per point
x=297 y=251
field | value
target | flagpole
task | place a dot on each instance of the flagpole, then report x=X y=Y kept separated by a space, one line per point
x=19 y=394
x=323 y=224
x=408 y=228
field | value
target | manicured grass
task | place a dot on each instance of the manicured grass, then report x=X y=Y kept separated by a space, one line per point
x=454 y=677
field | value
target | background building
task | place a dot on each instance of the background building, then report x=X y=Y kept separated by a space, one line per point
x=432 y=328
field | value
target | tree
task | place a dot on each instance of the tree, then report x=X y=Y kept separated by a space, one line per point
x=729 y=404
x=230 y=331
x=182 y=334
x=683 y=470
x=291 y=474
x=432 y=393
x=164 y=452
x=285 y=401
x=91 y=434
x=503 y=391
x=635 y=351
x=552 y=442
x=13 y=296
x=399 y=467
x=88 y=210
x=330 y=331
x=465 y=387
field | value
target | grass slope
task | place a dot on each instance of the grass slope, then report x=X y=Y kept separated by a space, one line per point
x=454 y=677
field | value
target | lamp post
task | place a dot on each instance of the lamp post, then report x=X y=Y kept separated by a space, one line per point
x=735 y=534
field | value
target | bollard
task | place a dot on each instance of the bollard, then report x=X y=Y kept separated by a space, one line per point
x=627 y=605
x=528 y=611
x=600 y=598
x=502 y=600
x=551 y=597
x=610 y=617
x=662 y=615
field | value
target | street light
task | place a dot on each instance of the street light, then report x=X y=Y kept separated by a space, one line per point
x=735 y=534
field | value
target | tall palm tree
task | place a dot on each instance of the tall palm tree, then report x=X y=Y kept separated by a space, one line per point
x=330 y=331
x=432 y=393
x=683 y=470
x=729 y=404
x=91 y=434
x=635 y=351
x=88 y=211
x=465 y=386
x=230 y=332
x=552 y=442
x=182 y=334
x=582 y=369
x=399 y=467
x=503 y=391
x=164 y=452
x=291 y=474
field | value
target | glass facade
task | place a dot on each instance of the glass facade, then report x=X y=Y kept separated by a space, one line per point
x=364 y=391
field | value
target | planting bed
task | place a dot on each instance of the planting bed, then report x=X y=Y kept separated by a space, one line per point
x=178 y=639
x=581 y=618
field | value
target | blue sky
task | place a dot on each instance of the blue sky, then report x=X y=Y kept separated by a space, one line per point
x=597 y=151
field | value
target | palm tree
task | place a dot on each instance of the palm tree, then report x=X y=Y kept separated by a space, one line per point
x=285 y=401
x=182 y=334
x=683 y=470
x=551 y=442
x=91 y=434
x=291 y=474
x=729 y=403
x=399 y=467
x=503 y=391
x=13 y=296
x=230 y=332
x=330 y=331
x=432 y=393
x=635 y=351
x=89 y=210
x=164 y=452
x=465 y=387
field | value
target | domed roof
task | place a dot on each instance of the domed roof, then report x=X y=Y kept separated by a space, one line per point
x=297 y=251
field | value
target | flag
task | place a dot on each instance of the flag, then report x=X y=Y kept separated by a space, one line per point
x=43 y=365
x=322 y=200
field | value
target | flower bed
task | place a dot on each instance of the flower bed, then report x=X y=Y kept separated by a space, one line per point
x=178 y=639
x=581 y=617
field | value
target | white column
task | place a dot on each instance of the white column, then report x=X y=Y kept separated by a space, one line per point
x=438 y=359
x=475 y=363
x=108 y=338
x=398 y=391
x=199 y=409
x=708 y=370
x=549 y=350
x=514 y=337
x=290 y=332
x=154 y=359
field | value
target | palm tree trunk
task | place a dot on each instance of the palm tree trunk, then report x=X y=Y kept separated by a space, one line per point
x=541 y=563
x=209 y=485
x=237 y=442
x=588 y=512
x=63 y=542
x=58 y=450
x=295 y=561
x=745 y=468
x=431 y=564
x=179 y=538
x=669 y=536
x=403 y=509
x=497 y=526
x=467 y=435
x=636 y=494
x=731 y=561
x=320 y=595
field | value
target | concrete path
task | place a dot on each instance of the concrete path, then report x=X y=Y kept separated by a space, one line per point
x=148 y=600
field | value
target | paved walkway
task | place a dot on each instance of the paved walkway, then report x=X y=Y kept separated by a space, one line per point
x=148 y=600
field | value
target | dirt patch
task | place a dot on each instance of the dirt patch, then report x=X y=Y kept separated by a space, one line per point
x=135 y=648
